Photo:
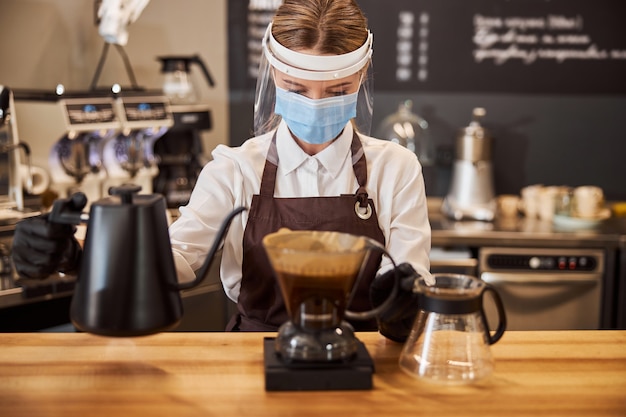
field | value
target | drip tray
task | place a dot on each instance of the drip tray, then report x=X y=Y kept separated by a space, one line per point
x=355 y=374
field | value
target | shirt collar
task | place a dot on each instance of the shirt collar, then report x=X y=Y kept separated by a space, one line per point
x=291 y=156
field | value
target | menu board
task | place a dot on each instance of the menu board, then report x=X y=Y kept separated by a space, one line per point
x=509 y=46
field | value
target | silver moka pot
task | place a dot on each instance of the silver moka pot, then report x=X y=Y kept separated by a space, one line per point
x=471 y=194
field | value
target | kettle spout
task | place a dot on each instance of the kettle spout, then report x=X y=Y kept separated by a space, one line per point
x=211 y=255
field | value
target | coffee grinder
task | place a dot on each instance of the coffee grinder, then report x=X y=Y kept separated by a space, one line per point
x=471 y=194
x=129 y=156
x=179 y=151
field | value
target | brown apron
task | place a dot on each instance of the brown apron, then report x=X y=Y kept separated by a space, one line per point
x=260 y=304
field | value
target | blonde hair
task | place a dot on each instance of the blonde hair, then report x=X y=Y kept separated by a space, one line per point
x=329 y=27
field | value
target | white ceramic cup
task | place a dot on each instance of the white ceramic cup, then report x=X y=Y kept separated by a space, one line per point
x=40 y=179
x=588 y=201
x=547 y=199
x=530 y=200
x=508 y=205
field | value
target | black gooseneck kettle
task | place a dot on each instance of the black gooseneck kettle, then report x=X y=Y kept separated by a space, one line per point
x=127 y=283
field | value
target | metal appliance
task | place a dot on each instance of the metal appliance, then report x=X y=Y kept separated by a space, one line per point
x=179 y=153
x=546 y=288
x=471 y=194
x=129 y=155
x=92 y=140
x=66 y=133
x=11 y=193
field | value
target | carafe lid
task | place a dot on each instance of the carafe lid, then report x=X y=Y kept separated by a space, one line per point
x=174 y=63
x=450 y=294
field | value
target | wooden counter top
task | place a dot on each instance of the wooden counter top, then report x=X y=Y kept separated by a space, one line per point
x=569 y=373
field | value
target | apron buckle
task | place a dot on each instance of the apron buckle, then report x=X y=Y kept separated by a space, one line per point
x=363 y=213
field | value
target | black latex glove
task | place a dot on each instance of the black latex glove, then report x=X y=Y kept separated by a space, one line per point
x=41 y=248
x=397 y=321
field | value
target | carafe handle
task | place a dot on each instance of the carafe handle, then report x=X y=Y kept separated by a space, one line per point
x=501 y=315
x=205 y=69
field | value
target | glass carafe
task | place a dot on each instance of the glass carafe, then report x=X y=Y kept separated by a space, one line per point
x=449 y=342
x=177 y=84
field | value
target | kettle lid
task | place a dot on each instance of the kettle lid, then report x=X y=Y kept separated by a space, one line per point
x=127 y=195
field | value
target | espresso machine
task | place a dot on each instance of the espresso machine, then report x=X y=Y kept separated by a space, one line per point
x=129 y=156
x=471 y=194
x=67 y=132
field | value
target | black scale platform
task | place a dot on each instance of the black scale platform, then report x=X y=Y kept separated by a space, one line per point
x=354 y=374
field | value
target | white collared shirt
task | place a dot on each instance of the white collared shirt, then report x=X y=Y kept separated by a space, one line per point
x=394 y=182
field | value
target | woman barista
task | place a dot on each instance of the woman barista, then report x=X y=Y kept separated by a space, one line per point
x=309 y=167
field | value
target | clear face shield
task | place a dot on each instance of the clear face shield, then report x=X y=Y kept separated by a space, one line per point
x=326 y=84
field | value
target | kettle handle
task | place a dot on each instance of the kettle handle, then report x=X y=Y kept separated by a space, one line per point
x=221 y=233
x=501 y=316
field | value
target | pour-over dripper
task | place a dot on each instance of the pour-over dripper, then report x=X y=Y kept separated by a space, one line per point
x=317 y=272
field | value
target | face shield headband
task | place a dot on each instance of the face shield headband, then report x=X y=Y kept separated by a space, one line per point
x=275 y=56
x=315 y=67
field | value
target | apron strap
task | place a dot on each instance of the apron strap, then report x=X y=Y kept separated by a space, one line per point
x=268 y=180
x=360 y=170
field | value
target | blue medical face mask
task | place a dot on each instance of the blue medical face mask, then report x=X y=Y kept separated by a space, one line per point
x=315 y=121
